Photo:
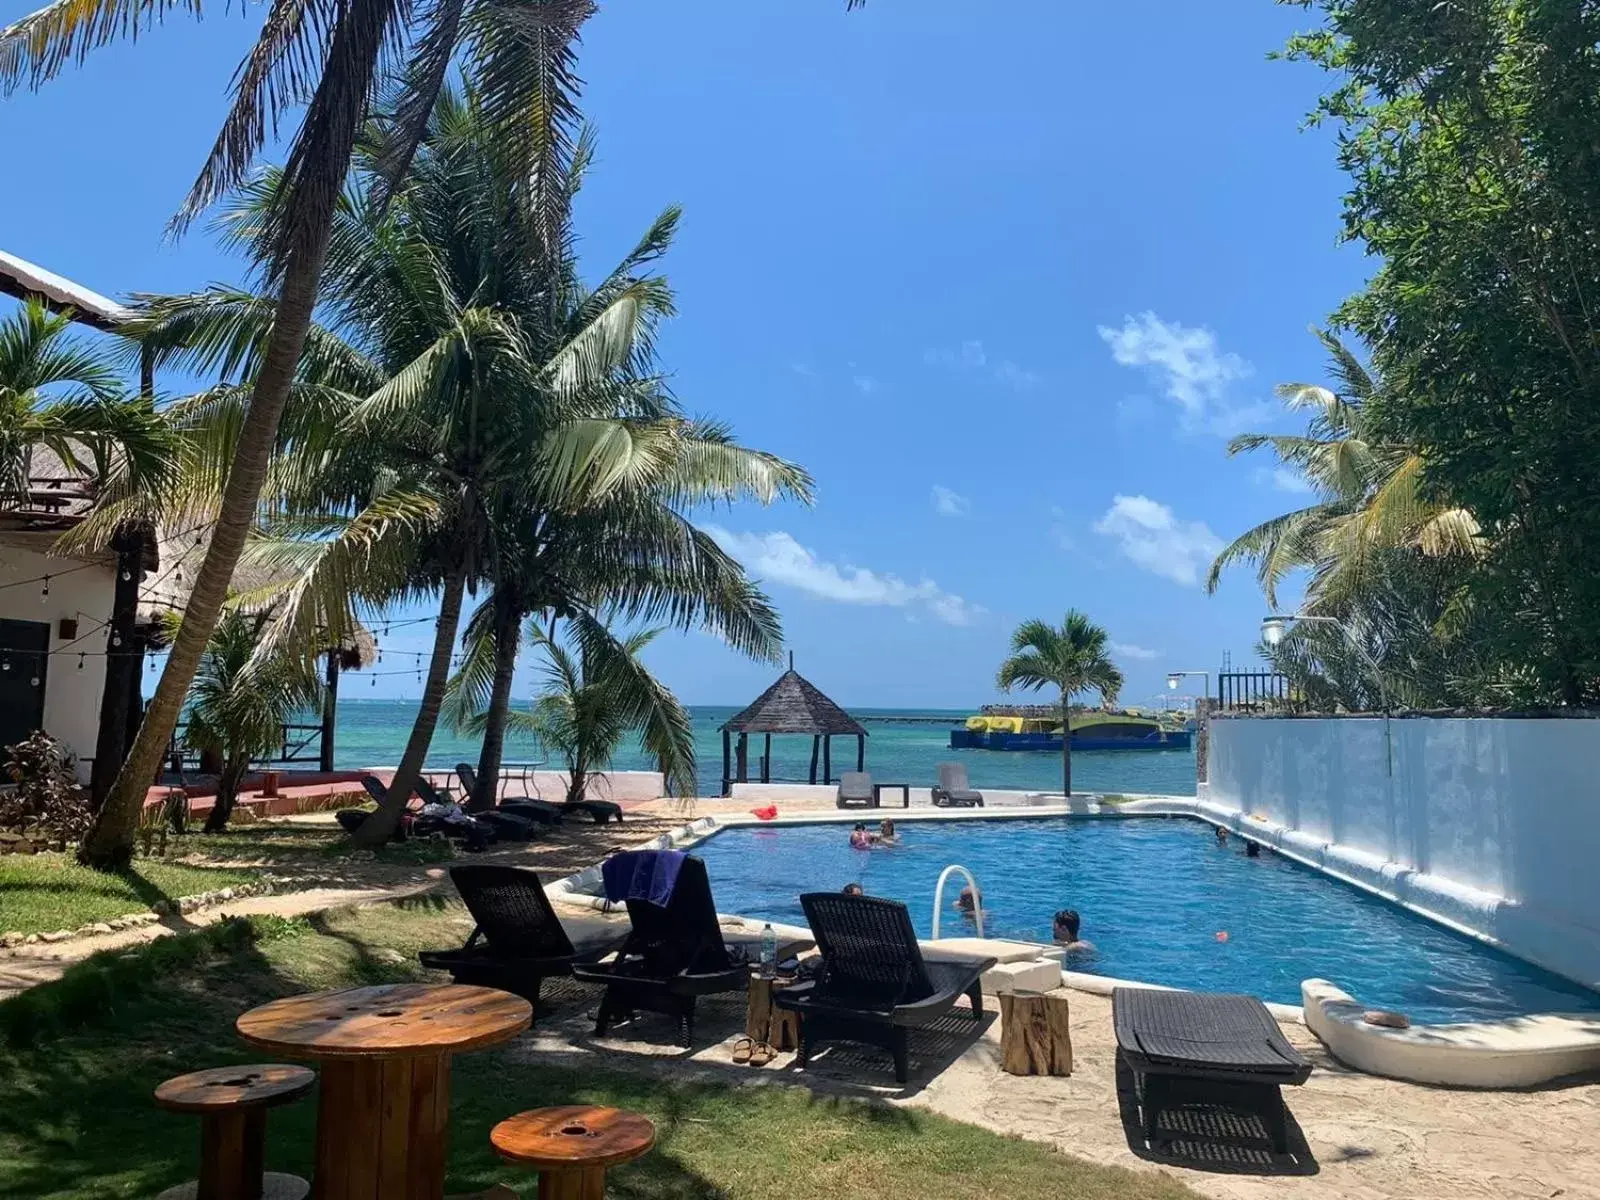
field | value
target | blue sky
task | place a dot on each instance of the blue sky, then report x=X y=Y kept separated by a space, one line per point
x=1005 y=288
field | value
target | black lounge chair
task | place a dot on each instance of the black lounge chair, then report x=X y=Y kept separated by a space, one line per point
x=508 y=826
x=478 y=835
x=875 y=985
x=672 y=956
x=855 y=790
x=1201 y=1047
x=528 y=809
x=518 y=939
x=954 y=789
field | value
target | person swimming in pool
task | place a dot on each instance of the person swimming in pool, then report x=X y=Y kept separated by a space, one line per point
x=1064 y=932
x=969 y=900
x=860 y=839
x=853 y=889
x=1222 y=836
x=1252 y=849
x=886 y=835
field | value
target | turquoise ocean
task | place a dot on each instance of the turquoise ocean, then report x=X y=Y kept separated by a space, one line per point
x=373 y=733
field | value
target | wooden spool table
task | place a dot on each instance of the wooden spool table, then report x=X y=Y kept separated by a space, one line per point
x=232 y=1104
x=572 y=1145
x=384 y=1107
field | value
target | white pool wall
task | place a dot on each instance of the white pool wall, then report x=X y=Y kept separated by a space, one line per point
x=1491 y=825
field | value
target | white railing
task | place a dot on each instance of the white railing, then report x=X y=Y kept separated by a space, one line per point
x=938 y=897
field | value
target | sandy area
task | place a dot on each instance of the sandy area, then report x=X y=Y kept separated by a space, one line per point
x=1353 y=1136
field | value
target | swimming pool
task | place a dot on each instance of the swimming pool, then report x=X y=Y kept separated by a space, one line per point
x=1153 y=893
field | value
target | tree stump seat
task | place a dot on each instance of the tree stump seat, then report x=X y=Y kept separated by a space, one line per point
x=765 y=1021
x=1035 y=1038
x=572 y=1145
x=232 y=1104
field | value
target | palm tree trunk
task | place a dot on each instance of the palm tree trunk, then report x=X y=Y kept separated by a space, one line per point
x=123 y=660
x=378 y=828
x=507 y=625
x=1066 y=746
x=332 y=122
x=227 y=795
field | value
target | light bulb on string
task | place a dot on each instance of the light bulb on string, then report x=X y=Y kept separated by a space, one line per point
x=44 y=592
x=80 y=660
x=5 y=665
x=116 y=638
x=34 y=682
x=126 y=574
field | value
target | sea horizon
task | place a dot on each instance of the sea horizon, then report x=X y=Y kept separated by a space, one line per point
x=372 y=733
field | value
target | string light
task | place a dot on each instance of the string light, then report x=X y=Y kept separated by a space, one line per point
x=80 y=660
x=44 y=592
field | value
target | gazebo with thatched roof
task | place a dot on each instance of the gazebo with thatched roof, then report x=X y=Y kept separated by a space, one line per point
x=791 y=705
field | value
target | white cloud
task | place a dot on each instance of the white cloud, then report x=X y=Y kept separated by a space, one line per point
x=948 y=503
x=1191 y=368
x=865 y=384
x=778 y=558
x=972 y=356
x=1150 y=535
x=1129 y=650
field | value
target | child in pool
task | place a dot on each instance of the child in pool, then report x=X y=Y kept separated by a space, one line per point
x=860 y=839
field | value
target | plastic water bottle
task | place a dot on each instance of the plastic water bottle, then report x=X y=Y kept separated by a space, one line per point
x=769 y=951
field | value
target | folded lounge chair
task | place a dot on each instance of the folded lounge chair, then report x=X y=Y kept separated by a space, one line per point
x=1207 y=1048
x=672 y=955
x=875 y=984
x=953 y=788
x=600 y=811
x=855 y=790
x=518 y=939
x=507 y=826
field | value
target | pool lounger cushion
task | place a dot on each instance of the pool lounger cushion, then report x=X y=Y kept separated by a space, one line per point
x=600 y=811
x=1227 y=1049
x=518 y=939
x=855 y=790
x=953 y=788
x=875 y=984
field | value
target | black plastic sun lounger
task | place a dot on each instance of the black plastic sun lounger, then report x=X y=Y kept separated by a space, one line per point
x=478 y=835
x=508 y=826
x=672 y=955
x=875 y=985
x=855 y=790
x=1219 y=1049
x=518 y=939
x=954 y=789
x=600 y=811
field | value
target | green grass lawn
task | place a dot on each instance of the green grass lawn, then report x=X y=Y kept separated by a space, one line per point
x=44 y=892
x=78 y=1122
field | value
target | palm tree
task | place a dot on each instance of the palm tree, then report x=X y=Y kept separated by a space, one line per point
x=596 y=692
x=1071 y=659
x=471 y=415
x=240 y=701
x=1366 y=494
x=335 y=54
x=65 y=398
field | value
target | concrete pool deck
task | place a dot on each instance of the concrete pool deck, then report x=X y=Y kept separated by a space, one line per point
x=1516 y=1052
x=1353 y=1136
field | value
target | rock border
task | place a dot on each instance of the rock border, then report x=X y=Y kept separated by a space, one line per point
x=183 y=905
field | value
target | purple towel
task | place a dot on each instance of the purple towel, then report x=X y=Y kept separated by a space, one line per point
x=648 y=875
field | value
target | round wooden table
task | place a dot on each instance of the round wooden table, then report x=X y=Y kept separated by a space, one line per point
x=571 y=1146
x=384 y=1106
x=232 y=1104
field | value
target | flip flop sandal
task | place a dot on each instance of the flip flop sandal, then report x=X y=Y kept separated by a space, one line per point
x=743 y=1050
x=762 y=1054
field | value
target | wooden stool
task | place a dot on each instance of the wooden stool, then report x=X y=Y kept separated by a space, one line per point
x=1035 y=1036
x=232 y=1104
x=764 y=1021
x=571 y=1146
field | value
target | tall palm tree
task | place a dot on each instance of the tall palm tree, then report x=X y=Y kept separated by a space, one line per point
x=240 y=702
x=1366 y=494
x=1072 y=659
x=337 y=54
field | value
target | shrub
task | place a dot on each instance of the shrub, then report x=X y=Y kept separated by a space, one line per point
x=46 y=796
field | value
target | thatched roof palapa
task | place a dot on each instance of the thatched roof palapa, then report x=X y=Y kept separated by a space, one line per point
x=794 y=705
x=23 y=279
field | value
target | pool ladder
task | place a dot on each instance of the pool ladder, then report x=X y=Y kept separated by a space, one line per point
x=938 y=897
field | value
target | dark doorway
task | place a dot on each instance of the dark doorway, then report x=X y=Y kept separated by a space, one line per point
x=24 y=655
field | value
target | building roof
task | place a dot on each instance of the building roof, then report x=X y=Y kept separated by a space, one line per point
x=794 y=705
x=22 y=279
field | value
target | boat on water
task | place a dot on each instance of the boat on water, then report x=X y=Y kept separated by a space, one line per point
x=1090 y=731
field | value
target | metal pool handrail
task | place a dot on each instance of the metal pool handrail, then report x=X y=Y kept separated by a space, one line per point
x=938 y=897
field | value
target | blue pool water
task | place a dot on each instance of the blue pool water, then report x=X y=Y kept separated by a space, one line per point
x=1153 y=895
